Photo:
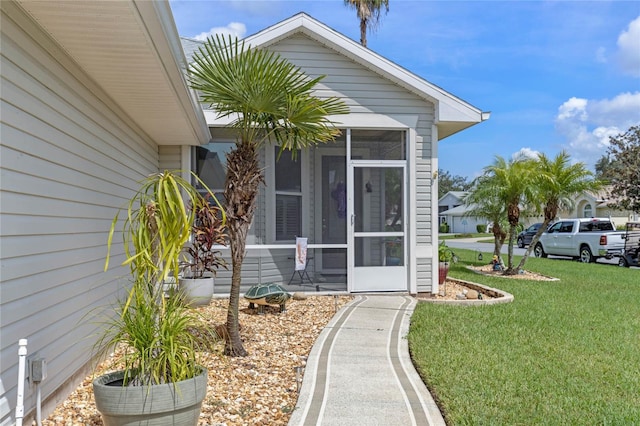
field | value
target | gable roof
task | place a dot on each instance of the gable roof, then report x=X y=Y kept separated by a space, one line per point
x=131 y=50
x=190 y=46
x=452 y=113
x=456 y=194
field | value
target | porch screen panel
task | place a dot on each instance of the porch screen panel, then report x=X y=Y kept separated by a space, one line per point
x=209 y=162
x=329 y=182
x=379 y=144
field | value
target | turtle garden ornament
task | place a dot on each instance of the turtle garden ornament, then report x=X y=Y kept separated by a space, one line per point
x=267 y=294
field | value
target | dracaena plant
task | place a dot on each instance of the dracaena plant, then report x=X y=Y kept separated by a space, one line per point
x=154 y=327
x=207 y=232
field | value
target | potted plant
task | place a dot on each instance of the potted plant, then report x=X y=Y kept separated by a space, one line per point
x=161 y=378
x=203 y=259
x=445 y=256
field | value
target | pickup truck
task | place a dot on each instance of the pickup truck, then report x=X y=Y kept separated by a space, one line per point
x=582 y=239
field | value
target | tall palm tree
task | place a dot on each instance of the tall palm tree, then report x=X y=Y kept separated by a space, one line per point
x=369 y=12
x=512 y=183
x=270 y=100
x=558 y=182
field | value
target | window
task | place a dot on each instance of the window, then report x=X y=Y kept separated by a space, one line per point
x=566 y=227
x=555 y=228
x=288 y=173
x=596 y=225
x=587 y=211
x=210 y=164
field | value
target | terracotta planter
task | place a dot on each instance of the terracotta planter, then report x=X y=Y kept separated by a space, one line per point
x=443 y=270
x=158 y=405
x=197 y=291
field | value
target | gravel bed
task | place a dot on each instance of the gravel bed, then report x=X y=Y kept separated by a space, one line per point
x=259 y=389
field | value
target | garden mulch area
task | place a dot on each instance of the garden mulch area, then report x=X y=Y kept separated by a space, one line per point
x=452 y=288
x=523 y=275
x=259 y=389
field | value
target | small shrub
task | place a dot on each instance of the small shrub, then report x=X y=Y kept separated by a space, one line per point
x=480 y=228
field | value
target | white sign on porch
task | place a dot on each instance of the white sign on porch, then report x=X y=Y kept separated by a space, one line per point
x=301 y=253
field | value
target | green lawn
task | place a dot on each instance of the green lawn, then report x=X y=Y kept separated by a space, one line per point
x=563 y=353
x=469 y=235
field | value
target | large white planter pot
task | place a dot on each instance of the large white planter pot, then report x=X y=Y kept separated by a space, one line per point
x=197 y=291
x=158 y=405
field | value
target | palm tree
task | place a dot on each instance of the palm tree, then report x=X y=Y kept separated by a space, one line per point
x=270 y=100
x=483 y=202
x=558 y=182
x=369 y=14
x=512 y=183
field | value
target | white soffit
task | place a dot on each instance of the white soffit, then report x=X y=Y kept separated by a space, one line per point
x=132 y=50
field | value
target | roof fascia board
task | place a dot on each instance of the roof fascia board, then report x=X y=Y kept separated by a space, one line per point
x=448 y=106
x=157 y=18
x=343 y=121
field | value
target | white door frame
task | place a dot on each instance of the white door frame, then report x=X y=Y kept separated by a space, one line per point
x=377 y=278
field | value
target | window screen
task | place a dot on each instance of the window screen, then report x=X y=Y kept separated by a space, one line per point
x=288 y=173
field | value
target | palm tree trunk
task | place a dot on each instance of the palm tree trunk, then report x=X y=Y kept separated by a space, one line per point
x=513 y=216
x=498 y=240
x=243 y=180
x=363 y=32
x=510 y=269
x=234 y=345
x=550 y=211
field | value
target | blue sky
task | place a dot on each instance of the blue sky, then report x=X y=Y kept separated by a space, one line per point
x=554 y=74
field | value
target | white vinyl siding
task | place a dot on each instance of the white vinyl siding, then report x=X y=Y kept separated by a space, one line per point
x=69 y=160
x=424 y=275
x=169 y=157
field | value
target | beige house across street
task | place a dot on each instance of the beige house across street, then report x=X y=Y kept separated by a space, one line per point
x=454 y=212
x=95 y=98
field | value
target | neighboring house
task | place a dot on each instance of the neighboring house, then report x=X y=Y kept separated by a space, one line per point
x=83 y=122
x=599 y=204
x=453 y=211
x=449 y=201
x=460 y=222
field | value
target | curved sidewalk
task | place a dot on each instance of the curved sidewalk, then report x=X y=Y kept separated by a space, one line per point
x=359 y=371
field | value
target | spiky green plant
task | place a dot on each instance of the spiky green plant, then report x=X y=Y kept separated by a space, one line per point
x=155 y=328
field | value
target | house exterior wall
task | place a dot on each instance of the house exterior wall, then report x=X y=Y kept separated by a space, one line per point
x=598 y=209
x=464 y=224
x=366 y=92
x=170 y=157
x=69 y=160
x=449 y=201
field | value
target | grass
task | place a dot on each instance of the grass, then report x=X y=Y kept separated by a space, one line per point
x=469 y=235
x=563 y=353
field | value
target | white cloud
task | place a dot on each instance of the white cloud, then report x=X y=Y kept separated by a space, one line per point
x=526 y=152
x=236 y=29
x=587 y=125
x=629 y=48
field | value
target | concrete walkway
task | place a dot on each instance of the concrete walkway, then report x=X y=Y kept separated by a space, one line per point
x=359 y=371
